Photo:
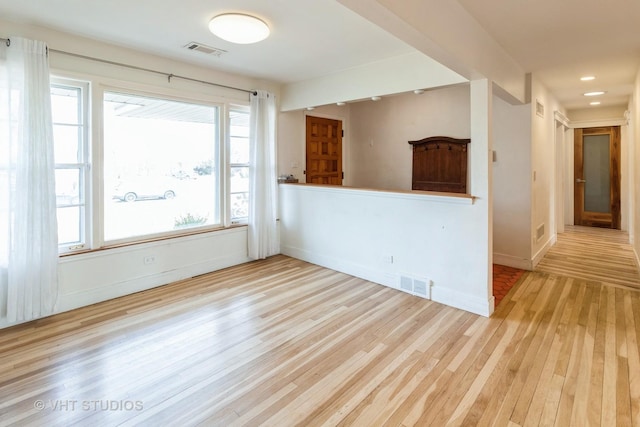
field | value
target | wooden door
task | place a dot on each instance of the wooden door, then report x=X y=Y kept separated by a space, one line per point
x=324 y=151
x=597 y=177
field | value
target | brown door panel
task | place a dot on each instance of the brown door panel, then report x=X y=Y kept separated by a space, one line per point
x=324 y=151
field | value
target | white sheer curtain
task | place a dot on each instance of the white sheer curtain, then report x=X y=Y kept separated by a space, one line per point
x=28 y=225
x=263 y=233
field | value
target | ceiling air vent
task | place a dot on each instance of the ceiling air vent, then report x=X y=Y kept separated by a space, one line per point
x=209 y=50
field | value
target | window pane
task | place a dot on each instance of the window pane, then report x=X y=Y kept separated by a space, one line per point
x=67 y=186
x=65 y=105
x=239 y=205
x=597 y=189
x=239 y=150
x=69 y=225
x=66 y=148
x=239 y=179
x=239 y=123
x=160 y=160
x=239 y=158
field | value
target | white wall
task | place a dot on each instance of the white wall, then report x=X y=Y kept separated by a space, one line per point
x=625 y=185
x=543 y=170
x=512 y=184
x=92 y=277
x=380 y=155
x=360 y=231
x=635 y=166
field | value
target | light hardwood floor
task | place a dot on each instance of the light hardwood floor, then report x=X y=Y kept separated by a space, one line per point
x=284 y=343
x=598 y=254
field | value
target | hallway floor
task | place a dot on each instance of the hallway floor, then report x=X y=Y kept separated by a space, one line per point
x=589 y=253
x=594 y=254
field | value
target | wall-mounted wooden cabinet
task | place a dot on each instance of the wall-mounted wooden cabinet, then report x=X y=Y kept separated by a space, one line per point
x=440 y=164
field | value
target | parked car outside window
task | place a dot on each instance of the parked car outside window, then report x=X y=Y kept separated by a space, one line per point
x=148 y=188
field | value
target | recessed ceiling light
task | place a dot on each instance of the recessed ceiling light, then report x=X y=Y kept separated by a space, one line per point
x=340 y=104
x=596 y=93
x=587 y=78
x=594 y=103
x=375 y=98
x=239 y=28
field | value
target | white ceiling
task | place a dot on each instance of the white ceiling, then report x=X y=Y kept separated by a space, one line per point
x=309 y=38
x=557 y=40
x=560 y=41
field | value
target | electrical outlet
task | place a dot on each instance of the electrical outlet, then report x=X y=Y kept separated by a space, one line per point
x=150 y=259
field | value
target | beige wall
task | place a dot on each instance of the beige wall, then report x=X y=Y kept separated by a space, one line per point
x=380 y=156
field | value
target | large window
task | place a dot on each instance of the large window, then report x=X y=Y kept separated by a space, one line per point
x=71 y=155
x=161 y=166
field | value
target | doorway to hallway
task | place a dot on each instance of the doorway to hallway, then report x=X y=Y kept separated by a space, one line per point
x=597 y=177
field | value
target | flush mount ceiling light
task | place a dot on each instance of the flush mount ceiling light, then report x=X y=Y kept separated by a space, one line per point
x=239 y=28
x=418 y=91
x=310 y=108
x=594 y=103
x=587 y=78
x=375 y=98
x=340 y=104
x=596 y=93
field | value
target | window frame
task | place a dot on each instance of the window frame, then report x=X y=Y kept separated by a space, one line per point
x=242 y=109
x=83 y=165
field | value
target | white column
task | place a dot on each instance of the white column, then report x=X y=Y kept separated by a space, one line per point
x=480 y=153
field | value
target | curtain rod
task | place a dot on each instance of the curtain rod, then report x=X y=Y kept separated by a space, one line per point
x=133 y=67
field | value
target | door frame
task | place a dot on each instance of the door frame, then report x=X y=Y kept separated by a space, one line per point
x=580 y=218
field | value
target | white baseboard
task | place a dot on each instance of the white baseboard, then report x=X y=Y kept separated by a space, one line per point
x=543 y=251
x=342 y=266
x=512 y=261
x=463 y=301
x=439 y=294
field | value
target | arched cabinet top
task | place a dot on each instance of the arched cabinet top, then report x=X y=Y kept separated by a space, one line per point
x=441 y=139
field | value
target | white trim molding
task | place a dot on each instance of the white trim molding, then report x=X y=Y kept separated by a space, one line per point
x=598 y=123
x=562 y=119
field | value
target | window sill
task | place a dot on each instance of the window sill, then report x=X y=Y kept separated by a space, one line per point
x=142 y=243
